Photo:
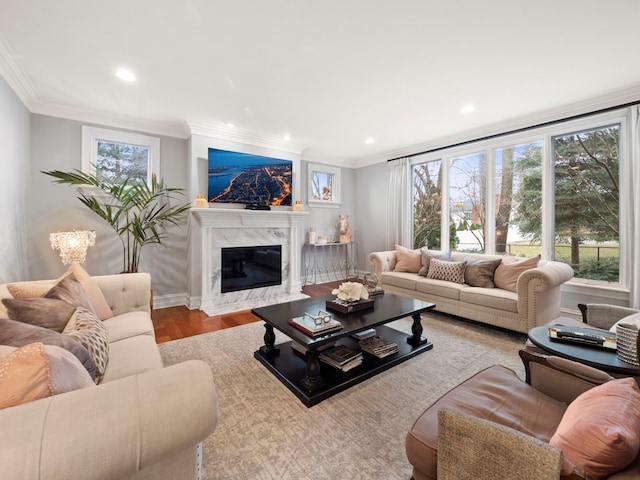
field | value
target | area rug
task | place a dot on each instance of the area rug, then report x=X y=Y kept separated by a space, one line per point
x=265 y=432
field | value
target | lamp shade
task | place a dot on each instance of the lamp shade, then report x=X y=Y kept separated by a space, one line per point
x=73 y=245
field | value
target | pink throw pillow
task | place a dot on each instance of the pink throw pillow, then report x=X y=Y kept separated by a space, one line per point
x=507 y=273
x=600 y=430
x=407 y=260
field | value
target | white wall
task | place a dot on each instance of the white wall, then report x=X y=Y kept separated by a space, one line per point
x=15 y=132
x=56 y=145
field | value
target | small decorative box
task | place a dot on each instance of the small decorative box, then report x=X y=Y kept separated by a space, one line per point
x=349 y=307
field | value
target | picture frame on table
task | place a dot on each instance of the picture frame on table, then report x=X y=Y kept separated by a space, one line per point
x=324 y=185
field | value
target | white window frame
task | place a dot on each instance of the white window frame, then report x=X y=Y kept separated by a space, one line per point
x=92 y=135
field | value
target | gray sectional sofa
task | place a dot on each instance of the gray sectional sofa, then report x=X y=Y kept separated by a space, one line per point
x=536 y=300
x=141 y=421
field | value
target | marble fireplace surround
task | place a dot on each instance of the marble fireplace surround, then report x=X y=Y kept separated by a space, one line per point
x=237 y=227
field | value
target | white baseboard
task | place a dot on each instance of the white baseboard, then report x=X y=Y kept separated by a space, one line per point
x=173 y=300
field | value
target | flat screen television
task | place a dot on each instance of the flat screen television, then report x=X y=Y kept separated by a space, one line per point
x=248 y=179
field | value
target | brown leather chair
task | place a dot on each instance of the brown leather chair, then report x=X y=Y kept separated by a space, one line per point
x=499 y=398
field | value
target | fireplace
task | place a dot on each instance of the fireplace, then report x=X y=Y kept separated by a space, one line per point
x=244 y=268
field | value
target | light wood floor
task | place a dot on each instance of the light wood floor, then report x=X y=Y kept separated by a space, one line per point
x=179 y=322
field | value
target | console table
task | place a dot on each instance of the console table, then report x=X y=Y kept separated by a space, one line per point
x=326 y=262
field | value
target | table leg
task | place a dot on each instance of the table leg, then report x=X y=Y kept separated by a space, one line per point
x=313 y=381
x=416 y=339
x=269 y=341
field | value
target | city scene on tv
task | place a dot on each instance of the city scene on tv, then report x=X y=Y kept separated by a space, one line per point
x=248 y=179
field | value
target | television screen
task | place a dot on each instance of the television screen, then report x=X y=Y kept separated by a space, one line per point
x=249 y=179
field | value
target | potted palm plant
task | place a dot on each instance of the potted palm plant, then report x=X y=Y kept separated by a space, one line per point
x=138 y=211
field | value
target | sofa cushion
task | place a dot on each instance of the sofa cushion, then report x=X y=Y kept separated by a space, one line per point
x=448 y=271
x=128 y=325
x=29 y=289
x=17 y=334
x=480 y=272
x=49 y=313
x=131 y=356
x=24 y=376
x=407 y=260
x=94 y=293
x=495 y=394
x=89 y=330
x=427 y=255
x=599 y=432
x=400 y=279
x=69 y=289
x=507 y=273
x=490 y=297
x=440 y=288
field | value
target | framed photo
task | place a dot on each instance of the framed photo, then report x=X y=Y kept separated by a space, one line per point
x=324 y=185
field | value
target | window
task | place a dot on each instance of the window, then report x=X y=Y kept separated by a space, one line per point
x=587 y=200
x=114 y=153
x=554 y=191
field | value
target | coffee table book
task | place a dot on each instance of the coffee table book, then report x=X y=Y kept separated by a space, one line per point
x=308 y=326
x=349 y=307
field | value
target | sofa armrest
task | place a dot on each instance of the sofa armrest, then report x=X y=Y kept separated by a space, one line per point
x=382 y=262
x=548 y=275
x=560 y=378
x=126 y=292
x=112 y=430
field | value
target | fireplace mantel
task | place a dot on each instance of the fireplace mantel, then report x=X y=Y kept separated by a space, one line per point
x=233 y=227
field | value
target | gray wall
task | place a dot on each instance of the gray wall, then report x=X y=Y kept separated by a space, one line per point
x=56 y=145
x=15 y=132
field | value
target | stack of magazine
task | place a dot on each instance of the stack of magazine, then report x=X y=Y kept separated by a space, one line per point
x=378 y=346
x=342 y=357
x=308 y=325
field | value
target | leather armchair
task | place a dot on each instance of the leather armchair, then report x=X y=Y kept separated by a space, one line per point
x=495 y=410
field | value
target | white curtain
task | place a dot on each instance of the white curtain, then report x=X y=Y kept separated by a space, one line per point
x=399 y=219
x=635 y=208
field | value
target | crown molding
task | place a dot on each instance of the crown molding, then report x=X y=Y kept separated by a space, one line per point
x=16 y=77
x=613 y=99
x=239 y=136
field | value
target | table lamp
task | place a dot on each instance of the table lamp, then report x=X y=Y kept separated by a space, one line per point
x=73 y=245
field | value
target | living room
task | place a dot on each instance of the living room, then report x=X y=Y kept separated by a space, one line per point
x=395 y=75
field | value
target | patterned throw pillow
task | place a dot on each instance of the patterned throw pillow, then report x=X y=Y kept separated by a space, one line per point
x=449 y=271
x=87 y=328
x=24 y=376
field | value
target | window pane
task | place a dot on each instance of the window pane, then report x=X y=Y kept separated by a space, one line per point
x=519 y=199
x=587 y=199
x=466 y=202
x=427 y=205
x=117 y=159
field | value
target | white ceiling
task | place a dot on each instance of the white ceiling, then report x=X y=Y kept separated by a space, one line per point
x=329 y=73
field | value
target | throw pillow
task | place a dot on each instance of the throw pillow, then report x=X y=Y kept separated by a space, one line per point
x=427 y=255
x=18 y=334
x=449 y=271
x=24 y=376
x=407 y=260
x=480 y=272
x=43 y=312
x=94 y=293
x=89 y=330
x=600 y=430
x=29 y=289
x=508 y=271
x=71 y=291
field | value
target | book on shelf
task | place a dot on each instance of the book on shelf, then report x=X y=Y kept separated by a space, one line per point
x=375 y=290
x=307 y=325
x=378 y=346
x=300 y=348
x=371 y=332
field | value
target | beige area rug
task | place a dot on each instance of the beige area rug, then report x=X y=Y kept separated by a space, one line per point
x=265 y=432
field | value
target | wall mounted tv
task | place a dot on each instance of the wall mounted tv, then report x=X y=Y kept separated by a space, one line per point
x=249 y=179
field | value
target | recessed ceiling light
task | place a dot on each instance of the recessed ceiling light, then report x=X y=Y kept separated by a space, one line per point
x=286 y=137
x=229 y=124
x=126 y=75
x=370 y=141
x=467 y=109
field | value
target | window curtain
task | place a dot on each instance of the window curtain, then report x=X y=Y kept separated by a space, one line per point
x=634 y=242
x=398 y=204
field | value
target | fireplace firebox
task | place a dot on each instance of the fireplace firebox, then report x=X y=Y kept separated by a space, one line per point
x=244 y=268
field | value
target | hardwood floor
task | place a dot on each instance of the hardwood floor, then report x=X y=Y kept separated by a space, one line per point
x=179 y=322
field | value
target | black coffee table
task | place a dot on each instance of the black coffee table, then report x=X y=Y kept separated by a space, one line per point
x=596 y=357
x=312 y=382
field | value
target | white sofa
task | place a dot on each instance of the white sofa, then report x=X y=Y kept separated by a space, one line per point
x=142 y=421
x=535 y=302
